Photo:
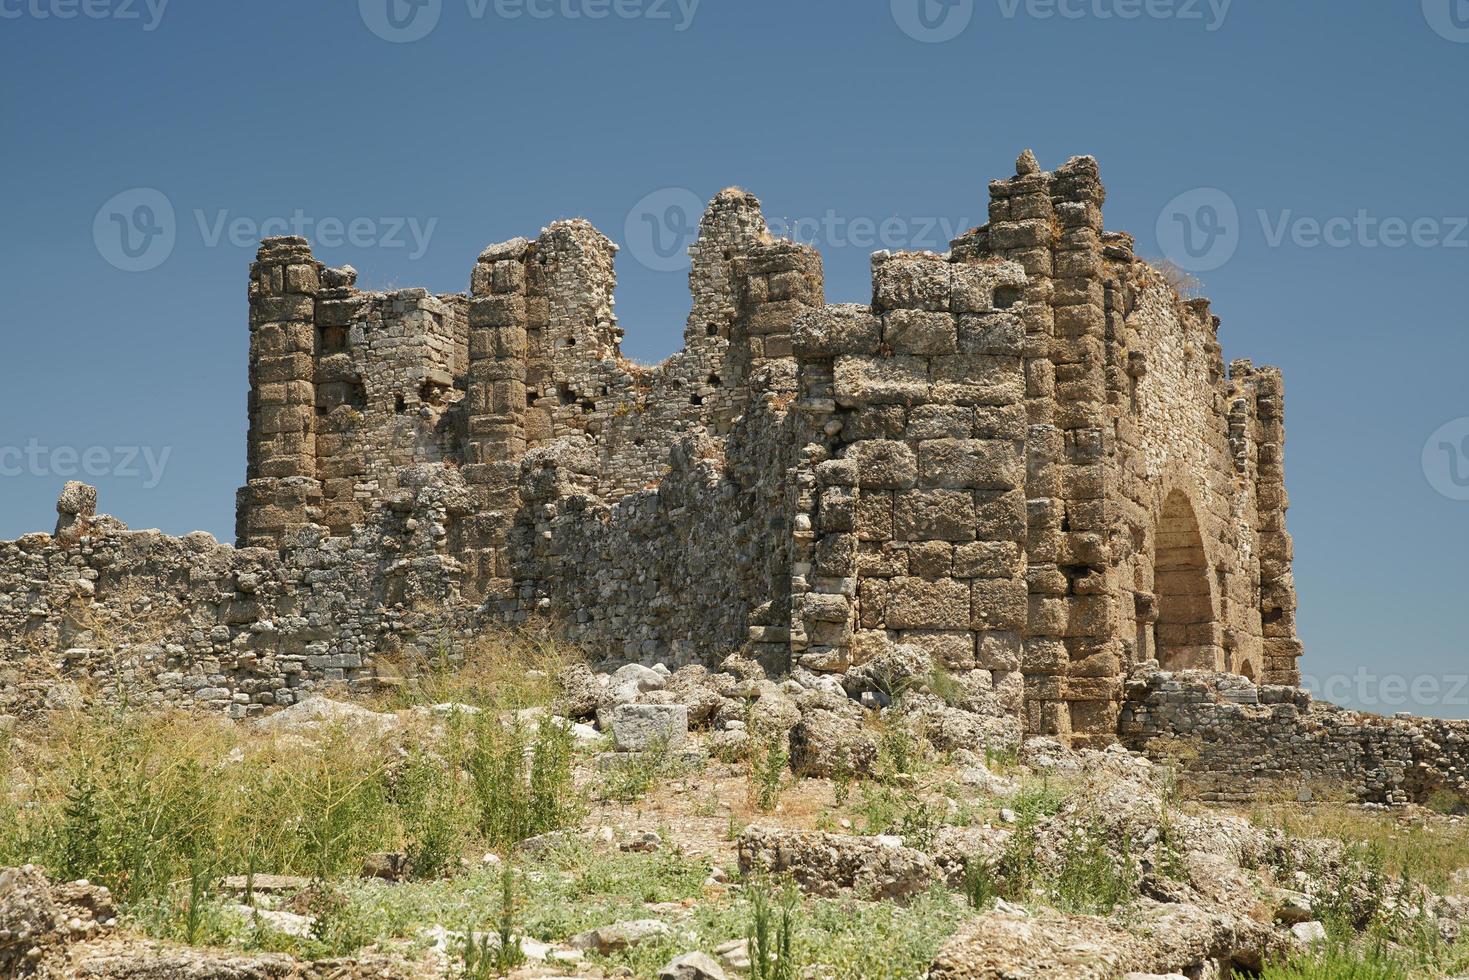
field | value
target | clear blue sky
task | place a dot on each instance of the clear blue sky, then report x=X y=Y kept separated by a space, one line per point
x=508 y=114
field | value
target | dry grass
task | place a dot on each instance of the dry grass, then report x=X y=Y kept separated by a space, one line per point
x=501 y=669
x=1419 y=845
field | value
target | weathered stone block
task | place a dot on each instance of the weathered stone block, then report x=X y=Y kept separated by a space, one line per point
x=874 y=422
x=885 y=464
x=970 y=463
x=1000 y=422
x=1043 y=655
x=900 y=380
x=977 y=379
x=822 y=607
x=883 y=560
x=838 y=510
x=836 y=555
x=644 y=727
x=1000 y=516
x=931 y=559
x=497 y=311
x=875 y=515
x=919 y=332
x=911 y=282
x=987 y=559
x=838 y=472
x=999 y=650
x=953 y=649
x=985 y=287
x=872 y=602
x=998 y=604
x=1000 y=334
x=836 y=330
x=928 y=515
x=940 y=422
x=916 y=603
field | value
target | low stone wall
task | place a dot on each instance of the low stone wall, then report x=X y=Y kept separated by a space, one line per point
x=102 y=611
x=1236 y=742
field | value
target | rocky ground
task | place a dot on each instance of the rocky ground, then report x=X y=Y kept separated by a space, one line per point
x=557 y=821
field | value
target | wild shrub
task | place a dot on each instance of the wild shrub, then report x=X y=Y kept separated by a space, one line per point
x=841 y=781
x=946 y=688
x=342 y=807
x=630 y=779
x=522 y=780
x=1337 y=962
x=436 y=813
x=980 y=888
x=898 y=752
x=133 y=814
x=485 y=955
x=1036 y=802
x=768 y=763
x=771 y=934
x=1091 y=878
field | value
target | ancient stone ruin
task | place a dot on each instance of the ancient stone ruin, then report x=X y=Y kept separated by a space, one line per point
x=1025 y=457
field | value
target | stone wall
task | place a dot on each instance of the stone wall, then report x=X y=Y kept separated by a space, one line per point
x=1023 y=456
x=1238 y=742
x=911 y=521
x=108 y=613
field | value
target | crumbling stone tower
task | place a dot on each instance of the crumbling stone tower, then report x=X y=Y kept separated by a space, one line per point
x=1024 y=457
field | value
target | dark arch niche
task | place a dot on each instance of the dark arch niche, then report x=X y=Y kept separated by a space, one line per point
x=1186 y=633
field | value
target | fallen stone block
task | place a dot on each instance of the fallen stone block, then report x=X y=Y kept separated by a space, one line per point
x=642 y=727
x=829 y=864
x=619 y=936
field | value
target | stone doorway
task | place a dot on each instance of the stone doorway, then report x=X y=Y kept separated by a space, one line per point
x=1186 y=633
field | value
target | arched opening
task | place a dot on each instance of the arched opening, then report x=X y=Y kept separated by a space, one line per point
x=1186 y=633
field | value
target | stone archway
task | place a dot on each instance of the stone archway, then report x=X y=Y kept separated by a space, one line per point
x=1186 y=632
